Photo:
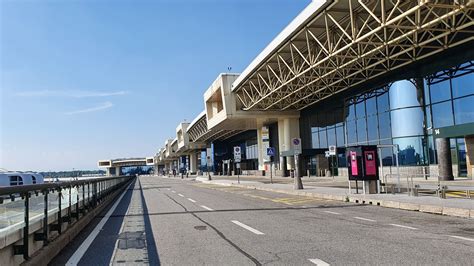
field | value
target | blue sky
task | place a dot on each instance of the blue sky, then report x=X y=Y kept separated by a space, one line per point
x=87 y=80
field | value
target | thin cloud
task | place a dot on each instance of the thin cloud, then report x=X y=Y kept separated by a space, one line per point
x=73 y=94
x=103 y=106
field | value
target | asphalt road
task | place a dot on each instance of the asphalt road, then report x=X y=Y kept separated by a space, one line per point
x=183 y=222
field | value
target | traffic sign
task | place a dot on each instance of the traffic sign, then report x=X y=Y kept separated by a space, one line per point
x=237 y=154
x=327 y=154
x=332 y=150
x=296 y=142
x=271 y=151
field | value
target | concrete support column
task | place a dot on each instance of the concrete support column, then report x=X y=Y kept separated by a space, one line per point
x=107 y=171
x=288 y=128
x=445 y=165
x=469 y=140
x=283 y=166
x=118 y=171
x=193 y=162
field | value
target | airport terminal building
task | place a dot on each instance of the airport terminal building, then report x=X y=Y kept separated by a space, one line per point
x=416 y=114
x=396 y=74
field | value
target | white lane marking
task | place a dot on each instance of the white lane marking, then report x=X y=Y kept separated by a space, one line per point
x=207 y=208
x=336 y=213
x=169 y=188
x=191 y=200
x=255 y=231
x=181 y=195
x=463 y=238
x=404 y=226
x=364 y=219
x=76 y=257
x=319 y=262
x=173 y=191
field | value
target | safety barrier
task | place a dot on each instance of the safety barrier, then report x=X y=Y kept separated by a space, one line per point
x=30 y=214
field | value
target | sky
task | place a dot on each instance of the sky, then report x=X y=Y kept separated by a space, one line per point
x=82 y=81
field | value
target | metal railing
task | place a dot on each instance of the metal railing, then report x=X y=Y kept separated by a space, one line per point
x=440 y=188
x=52 y=203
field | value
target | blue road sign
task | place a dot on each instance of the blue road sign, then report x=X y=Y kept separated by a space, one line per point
x=271 y=151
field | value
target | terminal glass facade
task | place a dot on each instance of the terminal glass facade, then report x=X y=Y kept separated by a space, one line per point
x=401 y=113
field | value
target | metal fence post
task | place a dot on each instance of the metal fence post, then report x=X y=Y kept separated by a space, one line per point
x=83 y=197
x=60 y=217
x=69 y=209
x=45 y=218
x=26 y=229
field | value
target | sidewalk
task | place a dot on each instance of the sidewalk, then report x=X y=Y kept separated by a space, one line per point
x=430 y=204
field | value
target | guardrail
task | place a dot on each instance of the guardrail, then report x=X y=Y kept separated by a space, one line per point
x=440 y=188
x=44 y=208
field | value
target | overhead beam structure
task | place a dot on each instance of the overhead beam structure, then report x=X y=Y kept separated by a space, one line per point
x=199 y=132
x=345 y=43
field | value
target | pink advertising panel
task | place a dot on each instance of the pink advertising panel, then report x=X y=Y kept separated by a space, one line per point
x=370 y=163
x=354 y=168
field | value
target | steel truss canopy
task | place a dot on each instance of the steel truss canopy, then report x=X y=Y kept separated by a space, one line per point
x=198 y=131
x=333 y=46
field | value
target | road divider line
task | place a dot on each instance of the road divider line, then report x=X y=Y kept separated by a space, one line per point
x=364 y=219
x=253 y=230
x=336 y=213
x=404 y=226
x=319 y=262
x=173 y=191
x=181 y=195
x=193 y=201
x=463 y=238
x=169 y=188
x=207 y=208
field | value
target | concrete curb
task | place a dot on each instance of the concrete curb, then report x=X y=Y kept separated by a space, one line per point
x=433 y=209
x=44 y=255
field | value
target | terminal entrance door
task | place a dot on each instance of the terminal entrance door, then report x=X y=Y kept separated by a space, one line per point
x=461 y=152
x=311 y=165
x=458 y=156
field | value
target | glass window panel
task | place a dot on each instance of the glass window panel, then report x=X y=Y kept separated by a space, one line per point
x=361 y=130
x=428 y=117
x=351 y=112
x=315 y=138
x=340 y=136
x=464 y=110
x=407 y=122
x=431 y=150
x=454 y=154
x=384 y=125
x=373 y=142
x=372 y=129
x=371 y=106
x=351 y=132
x=402 y=94
x=382 y=103
x=387 y=153
x=331 y=136
x=410 y=150
x=442 y=114
x=360 y=109
x=323 y=142
x=463 y=85
x=440 y=91
x=341 y=159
